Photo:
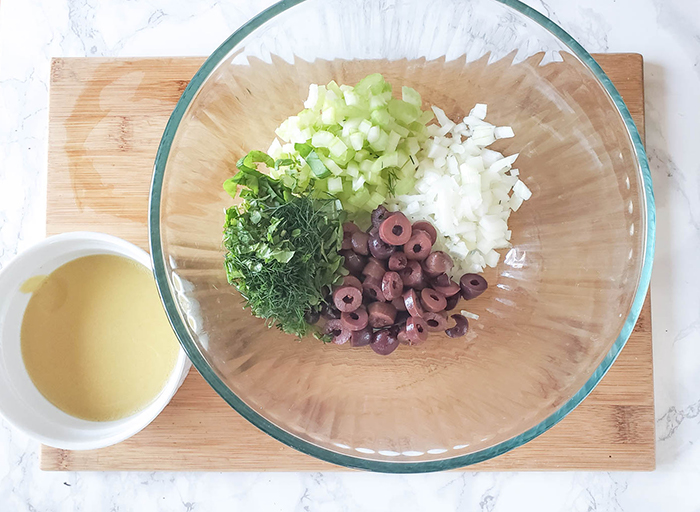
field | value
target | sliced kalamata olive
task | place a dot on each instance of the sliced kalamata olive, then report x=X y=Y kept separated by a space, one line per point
x=426 y=226
x=418 y=247
x=359 y=243
x=396 y=229
x=338 y=331
x=416 y=330
x=460 y=328
x=435 y=321
x=432 y=300
x=378 y=215
x=384 y=342
x=401 y=316
x=441 y=279
x=392 y=285
x=329 y=312
x=379 y=248
x=472 y=285
x=374 y=269
x=372 y=288
x=452 y=302
x=412 y=275
x=352 y=281
x=348 y=229
x=362 y=337
x=399 y=304
x=402 y=336
x=355 y=320
x=347 y=298
x=395 y=329
x=445 y=285
x=412 y=302
x=397 y=261
x=346 y=245
x=437 y=262
x=449 y=290
x=381 y=314
x=353 y=262
x=381 y=263
x=311 y=316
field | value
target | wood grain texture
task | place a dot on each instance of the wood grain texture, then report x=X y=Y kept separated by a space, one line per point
x=106 y=119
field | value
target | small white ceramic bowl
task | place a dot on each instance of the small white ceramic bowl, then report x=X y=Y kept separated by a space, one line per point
x=21 y=404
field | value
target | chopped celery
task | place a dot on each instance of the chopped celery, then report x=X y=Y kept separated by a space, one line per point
x=382 y=118
x=351 y=98
x=322 y=139
x=376 y=102
x=365 y=126
x=426 y=117
x=332 y=86
x=393 y=141
x=374 y=178
x=376 y=199
x=353 y=169
x=410 y=95
x=357 y=183
x=335 y=185
x=337 y=147
x=382 y=190
x=307 y=118
x=366 y=166
x=373 y=83
x=373 y=134
x=401 y=130
x=381 y=142
x=358 y=143
x=404 y=112
x=402 y=158
x=328 y=116
x=331 y=165
x=391 y=159
x=344 y=157
x=362 y=155
x=412 y=145
x=360 y=197
x=405 y=186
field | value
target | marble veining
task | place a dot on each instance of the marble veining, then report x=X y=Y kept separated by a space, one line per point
x=665 y=32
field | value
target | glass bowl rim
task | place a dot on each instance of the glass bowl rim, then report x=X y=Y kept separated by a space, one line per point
x=350 y=461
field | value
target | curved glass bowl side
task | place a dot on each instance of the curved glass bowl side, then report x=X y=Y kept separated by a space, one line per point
x=168 y=297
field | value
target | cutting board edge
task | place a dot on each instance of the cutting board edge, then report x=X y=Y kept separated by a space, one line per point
x=648 y=465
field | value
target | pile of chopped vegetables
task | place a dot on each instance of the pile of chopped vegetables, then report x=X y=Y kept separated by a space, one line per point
x=366 y=139
x=281 y=247
x=351 y=152
x=464 y=189
x=398 y=290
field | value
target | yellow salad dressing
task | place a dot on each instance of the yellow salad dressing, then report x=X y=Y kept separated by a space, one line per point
x=95 y=339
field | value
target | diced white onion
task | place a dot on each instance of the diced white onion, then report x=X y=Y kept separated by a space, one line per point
x=464 y=189
x=503 y=132
x=479 y=111
x=521 y=190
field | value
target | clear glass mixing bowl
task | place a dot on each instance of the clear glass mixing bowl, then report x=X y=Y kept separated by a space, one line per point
x=561 y=304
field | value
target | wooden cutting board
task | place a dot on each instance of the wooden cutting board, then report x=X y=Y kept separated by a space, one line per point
x=105 y=122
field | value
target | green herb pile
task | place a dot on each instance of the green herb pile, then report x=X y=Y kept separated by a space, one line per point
x=281 y=247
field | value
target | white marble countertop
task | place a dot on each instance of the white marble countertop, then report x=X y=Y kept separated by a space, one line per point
x=665 y=32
